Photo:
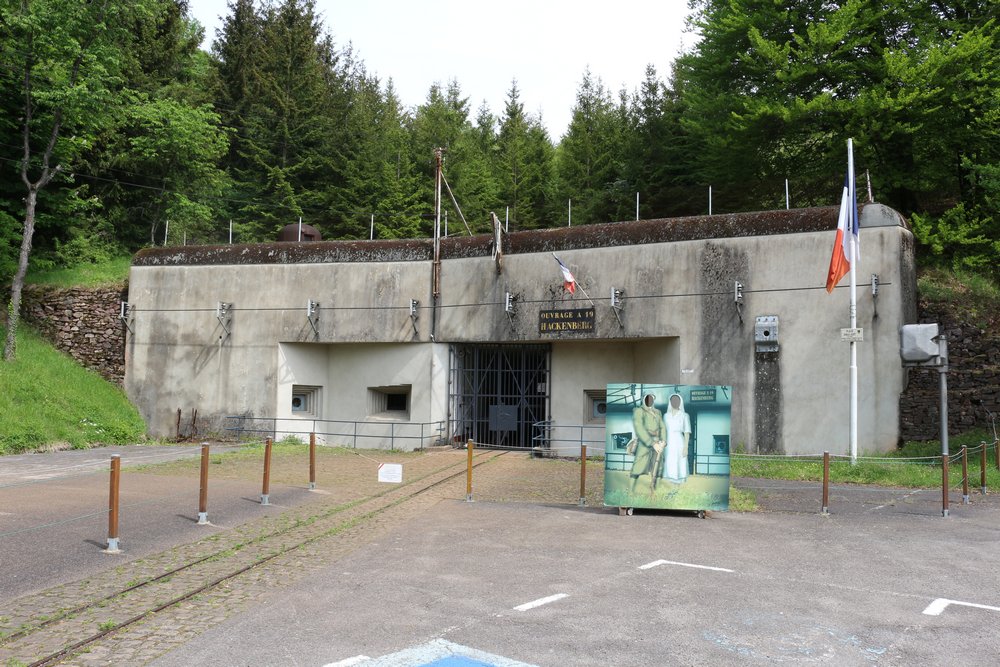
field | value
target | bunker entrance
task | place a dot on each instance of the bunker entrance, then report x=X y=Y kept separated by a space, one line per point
x=497 y=392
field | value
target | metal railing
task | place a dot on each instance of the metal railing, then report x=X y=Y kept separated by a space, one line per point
x=567 y=439
x=339 y=431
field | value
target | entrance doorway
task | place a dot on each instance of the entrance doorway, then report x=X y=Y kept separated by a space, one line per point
x=497 y=392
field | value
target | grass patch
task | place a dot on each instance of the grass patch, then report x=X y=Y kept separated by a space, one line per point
x=938 y=286
x=112 y=273
x=47 y=398
x=890 y=469
x=741 y=500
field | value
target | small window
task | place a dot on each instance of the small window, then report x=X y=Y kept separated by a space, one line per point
x=392 y=402
x=305 y=401
x=595 y=406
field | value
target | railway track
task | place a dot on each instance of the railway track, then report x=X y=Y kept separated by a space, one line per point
x=69 y=632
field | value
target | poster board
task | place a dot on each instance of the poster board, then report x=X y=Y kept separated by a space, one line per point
x=667 y=446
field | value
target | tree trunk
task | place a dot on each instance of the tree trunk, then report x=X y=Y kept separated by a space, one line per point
x=14 y=305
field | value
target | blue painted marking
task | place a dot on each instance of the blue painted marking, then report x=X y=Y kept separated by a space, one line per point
x=439 y=653
x=457 y=661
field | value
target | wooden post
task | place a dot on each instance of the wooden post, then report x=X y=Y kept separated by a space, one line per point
x=203 y=491
x=982 y=469
x=312 y=460
x=116 y=471
x=468 y=476
x=965 y=475
x=583 y=475
x=826 y=482
x=267 y=473
x=944 y=485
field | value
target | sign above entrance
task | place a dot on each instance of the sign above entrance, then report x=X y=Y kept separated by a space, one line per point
x=575 y=320
x=702 y=395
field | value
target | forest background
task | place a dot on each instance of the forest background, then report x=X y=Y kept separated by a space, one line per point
x=118 y=124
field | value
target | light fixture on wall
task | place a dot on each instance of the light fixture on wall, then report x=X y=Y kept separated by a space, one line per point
x=510 y=307
x=874 y=295
x=414 y=314
x=738 y=299
x=126 y=316
x=618 y=304
x=223 y=313
x=312 y=314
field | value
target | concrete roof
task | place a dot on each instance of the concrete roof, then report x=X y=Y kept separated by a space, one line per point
x=636 y=232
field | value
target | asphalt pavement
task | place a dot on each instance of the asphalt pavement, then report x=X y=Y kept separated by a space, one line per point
x=523 y=584
x=883 y=579
x=54 y=511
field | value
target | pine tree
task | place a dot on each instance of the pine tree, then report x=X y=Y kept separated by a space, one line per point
x=590 y=155
x=290 y=112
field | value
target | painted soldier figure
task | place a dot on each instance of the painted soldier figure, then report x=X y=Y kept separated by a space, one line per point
x=650 y=438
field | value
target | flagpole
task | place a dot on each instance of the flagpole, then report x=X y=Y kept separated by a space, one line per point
x=852 y=197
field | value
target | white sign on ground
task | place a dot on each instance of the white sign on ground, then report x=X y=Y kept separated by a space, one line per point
x=390 y=472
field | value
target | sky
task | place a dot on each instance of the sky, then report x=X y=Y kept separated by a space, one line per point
x=545 y=45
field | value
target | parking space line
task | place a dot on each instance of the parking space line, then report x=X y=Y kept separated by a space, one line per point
x=538 y=603
x=356 y=660
x=935 y=608
x=657 y=563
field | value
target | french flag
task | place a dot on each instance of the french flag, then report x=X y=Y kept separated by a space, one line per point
x=847 y=233
x=569 y=282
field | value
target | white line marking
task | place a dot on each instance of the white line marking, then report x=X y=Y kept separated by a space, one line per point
x=935 y=608
x=356 y=660
x=538 y=603
x=903 y=499
x=657 y=563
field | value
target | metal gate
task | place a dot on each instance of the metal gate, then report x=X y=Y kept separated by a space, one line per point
x=497 y=392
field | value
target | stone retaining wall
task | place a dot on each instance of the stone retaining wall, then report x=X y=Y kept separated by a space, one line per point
x=82 y=322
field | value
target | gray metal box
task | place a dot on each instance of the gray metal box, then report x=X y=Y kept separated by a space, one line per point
x=917 y=342
x=765 y=333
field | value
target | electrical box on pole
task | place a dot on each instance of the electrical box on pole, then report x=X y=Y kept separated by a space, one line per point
x=923 y=345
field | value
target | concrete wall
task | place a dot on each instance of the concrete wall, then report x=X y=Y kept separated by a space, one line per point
x=679 y=323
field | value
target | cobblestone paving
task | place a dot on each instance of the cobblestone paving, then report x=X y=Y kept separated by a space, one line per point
x=328 y=528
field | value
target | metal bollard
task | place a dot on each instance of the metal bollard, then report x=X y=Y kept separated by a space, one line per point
x=203 y=490
x=312 y=461
x=826 y=482
x=116 y=471
x=944 y=485
x=965 y=475
x=267 y=472
x=583 y=475
x=982 y=468
x=468 y=475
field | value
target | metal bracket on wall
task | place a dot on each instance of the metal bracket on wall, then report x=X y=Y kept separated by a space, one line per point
x=618 y=304
x=223 y=313
x=312 y=314
x=126 y=316
x=414 y=314
x=738 y=299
